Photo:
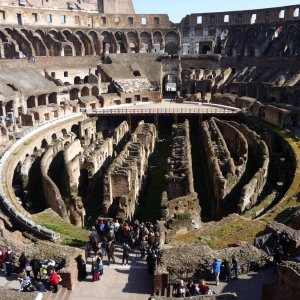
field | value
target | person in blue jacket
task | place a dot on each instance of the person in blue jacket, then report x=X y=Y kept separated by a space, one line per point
x=216 y=269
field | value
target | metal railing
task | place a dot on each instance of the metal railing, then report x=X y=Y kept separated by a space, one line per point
x=162 y=111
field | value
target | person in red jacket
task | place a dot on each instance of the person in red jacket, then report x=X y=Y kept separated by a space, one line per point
x=204 y=289
x=53 y=280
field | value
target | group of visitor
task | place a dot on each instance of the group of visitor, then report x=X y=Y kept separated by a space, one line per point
x=182 y=289
x=34 y=274
x=280 y=249
x=131 y=236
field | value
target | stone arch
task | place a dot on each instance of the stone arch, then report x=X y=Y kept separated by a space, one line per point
x=96 y=40
x=75 y=129
x=9 y=106
x=54 y=137
x=108 y=45
x=74 y=94
x=77 y=80
x=121 y=40
x=24 y=44
x=86 y=79
x=146 y=45
x=86 y=42
x=31 y=102
x=172 y=42
x=44 y=144
x=39 y=47
x=36 y=116
x=133 y=42
x=68 y=51
x=53 y=98
x=64 y=132
x=9 y=50
x=42 y=100
x=85 y=91
x=78 y=45
x=95 y=91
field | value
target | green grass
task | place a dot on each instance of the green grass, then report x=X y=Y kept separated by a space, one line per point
x=71 y=235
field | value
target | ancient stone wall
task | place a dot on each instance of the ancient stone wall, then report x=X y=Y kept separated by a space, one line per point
x=253 y=189
x=124 y=178
x=180 y=204
x=286 y=285
x=180 y=180
x=225 y=169
x=51 y=191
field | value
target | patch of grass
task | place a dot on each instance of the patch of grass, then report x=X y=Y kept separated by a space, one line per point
x=71 y=235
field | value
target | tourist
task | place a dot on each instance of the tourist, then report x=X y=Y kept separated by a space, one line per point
x=26 y=284
x=53 y=281
x=151 y=262
x=143 y=247
x=227 y=270
x=81 y=266
x=111 y=252
x=22 y=262
x=35 y=265
x=236 y=266
x=95 y=270
x=180 y=290
x=278 y=256
x=203 y=288
x=191 y=289
x=3 y=259
x=100 y=266
x=116 y=229
x=126 y=251
x=216 y=268
x=27 y=267
x=10 y=258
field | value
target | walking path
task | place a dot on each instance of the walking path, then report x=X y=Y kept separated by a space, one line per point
x=118 y=282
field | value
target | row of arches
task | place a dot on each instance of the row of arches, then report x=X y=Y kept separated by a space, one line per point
x=79 y=43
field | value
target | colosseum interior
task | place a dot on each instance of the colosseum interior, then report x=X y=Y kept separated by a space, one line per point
x=110 y=114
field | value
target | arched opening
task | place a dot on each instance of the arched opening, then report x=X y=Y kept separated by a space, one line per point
x=9 y=50
x=68 y=51
x=205 y=49
x=86 y=79
x=44 y=144
x=85 y=91
x=64 y=132
x=9 y=107
x=31 y=102
x=75 y=129
x=136 y=73
x=95 y=91
x=17 y=182
x=42 y=100
x=54 y=137
x=120 y=40
x=145 y=42
x=53 y=98
x=169 y=86
x=157 y=41
x=172 y=43
x=36 y=116
x=77 y=80
x=74 y=94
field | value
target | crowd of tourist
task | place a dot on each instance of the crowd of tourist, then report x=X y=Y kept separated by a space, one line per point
x=132 y=237
x=192 y=288
x=34 y=274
